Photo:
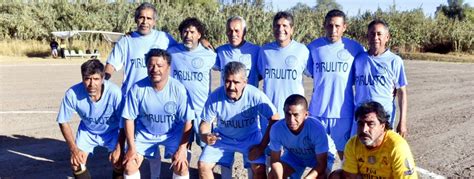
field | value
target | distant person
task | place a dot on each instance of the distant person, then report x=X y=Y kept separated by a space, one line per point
x=157 y=112
x=376 y=151
x=378 y=72
x=304 y=143
x=191 y=65
x=330 y=65
x=235 y=107
x=62 y=48
x=238 y=49
x=54 y=48
x=97 y=102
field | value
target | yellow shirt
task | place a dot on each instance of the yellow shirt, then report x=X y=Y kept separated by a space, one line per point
x=392 y=159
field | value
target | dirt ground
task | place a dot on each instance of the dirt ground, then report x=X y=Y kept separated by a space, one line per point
x=440 y=114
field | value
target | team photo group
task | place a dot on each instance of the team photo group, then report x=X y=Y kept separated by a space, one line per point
x=349 y=128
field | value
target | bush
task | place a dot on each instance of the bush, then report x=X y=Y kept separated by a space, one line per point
x=411 y=30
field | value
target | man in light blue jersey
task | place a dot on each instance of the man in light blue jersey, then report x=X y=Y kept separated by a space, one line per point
x=238 y=49
x=97 y=102
x=192 y=65
x=281 y=63
x=330 y=65
x=129 y=52
x=378 y=72
x=236 y=107
x=157 y=112
x=304 y=142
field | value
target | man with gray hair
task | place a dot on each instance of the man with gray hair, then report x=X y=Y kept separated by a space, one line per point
x=238 y=49
x=236 y=107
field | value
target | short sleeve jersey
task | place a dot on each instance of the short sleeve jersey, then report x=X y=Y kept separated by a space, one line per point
x=282 y=71
x=237 y=119
x=377 y=77
x=129 y=52
x=330 y=64
x=158 y=112
x=193 y=70
x=393 y=159
x=96 y=117
x=312 y=139
x=246 y=54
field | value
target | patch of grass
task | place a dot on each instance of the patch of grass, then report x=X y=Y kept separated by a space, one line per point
x=450 y=57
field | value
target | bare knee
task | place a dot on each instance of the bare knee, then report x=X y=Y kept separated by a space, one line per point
x=205 y=169
x=132 y=166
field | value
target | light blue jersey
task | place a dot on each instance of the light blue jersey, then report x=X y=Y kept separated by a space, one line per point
x=376 y=77
x=246 y=54
x=330 y=64
x=282 y=71
x=158 y=112
x=312 y=139
x=237 y=120
x=130 y=52
x=193 y=70
x=98 y=117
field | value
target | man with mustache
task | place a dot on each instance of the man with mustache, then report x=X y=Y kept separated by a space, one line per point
x=240 y=50
x=192 y=64
x=304 y=143
x=378 y=72
x=97 y=102
x=330 y=65
x=157 y=112
x=237 y=107
x=376 y=151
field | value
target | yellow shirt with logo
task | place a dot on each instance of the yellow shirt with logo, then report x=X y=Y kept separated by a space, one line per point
x=392 y=159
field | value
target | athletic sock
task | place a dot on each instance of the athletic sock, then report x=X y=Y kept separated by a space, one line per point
x=83 y=174
x=175 y=176
x=132 y=176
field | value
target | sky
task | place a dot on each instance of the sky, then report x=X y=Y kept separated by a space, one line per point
x=351 y=7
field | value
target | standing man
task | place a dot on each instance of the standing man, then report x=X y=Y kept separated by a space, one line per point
x=235 y=106
x=303 y=140
x=192 y=65
x=376 y=151
x=157 y=112
x=330 y=65
x=54 y=48
x=238 y=49
x=282 y=62
x=97 y=103
x=129 y=52
x=378 y=72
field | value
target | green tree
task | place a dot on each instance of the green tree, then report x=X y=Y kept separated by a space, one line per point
x=326 y=5
x=454 y=10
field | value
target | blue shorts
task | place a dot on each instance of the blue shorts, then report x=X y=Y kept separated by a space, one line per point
x=87 y=141
x=148 y=144
x=339 y=129
x=222 y=152
x=299 y=165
